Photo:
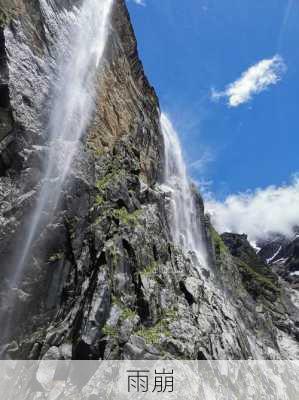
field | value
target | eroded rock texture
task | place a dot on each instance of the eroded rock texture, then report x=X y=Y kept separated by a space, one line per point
x=104 y=279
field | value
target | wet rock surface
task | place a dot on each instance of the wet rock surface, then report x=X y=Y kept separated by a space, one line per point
x=104 y=280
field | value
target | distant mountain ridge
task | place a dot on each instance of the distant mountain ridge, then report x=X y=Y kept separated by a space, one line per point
x=282 y=254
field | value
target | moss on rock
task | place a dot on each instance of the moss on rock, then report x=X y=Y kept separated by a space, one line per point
x=256 y=283
x=9 y=9
x=127 y=313
x=125 y=217
x=109 y=330
x=153 y=335
x=219 y=245
x=99 y=200
x=150 y=270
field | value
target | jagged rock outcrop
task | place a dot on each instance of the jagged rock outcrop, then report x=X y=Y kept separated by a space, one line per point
x=257 y=277
x=282 y=254
x=263 y=284
x=104 y=279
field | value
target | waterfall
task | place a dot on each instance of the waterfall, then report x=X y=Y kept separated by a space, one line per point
x=184 y=223
x=81 y=45
x=76 y=54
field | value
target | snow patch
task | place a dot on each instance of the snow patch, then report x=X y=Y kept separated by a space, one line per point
x=274 y=255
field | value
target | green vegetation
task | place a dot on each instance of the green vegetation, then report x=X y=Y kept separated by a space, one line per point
x=99 y=200
x=96 y=149
x=127 y=313
x=109 y=331
x=152 y=335
x=254 y=281
x=114 y=173
x=5 y=17
x=219 y=245
x=171 y=314
x=116 y=302
x=150 y=270
x=8 y=11
x=125 y=217
x=102 y=183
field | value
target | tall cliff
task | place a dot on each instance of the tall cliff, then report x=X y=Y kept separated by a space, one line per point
x=104 y=279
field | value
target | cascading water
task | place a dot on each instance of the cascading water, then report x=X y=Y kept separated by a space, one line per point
x=184 y=225
x=81 y=47
x=186 y=232
x=78 y=51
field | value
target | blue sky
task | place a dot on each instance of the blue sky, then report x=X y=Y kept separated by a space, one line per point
x=190 y=48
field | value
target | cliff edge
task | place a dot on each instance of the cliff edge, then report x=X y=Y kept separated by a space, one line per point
x=104 y=280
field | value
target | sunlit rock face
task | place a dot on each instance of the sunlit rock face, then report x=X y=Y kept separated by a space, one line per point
x=104 y=278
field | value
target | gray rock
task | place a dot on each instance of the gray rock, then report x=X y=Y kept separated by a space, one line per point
x=52 y=354
x=104 y=279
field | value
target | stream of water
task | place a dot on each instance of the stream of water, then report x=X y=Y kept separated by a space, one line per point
x=184 y=223
x=78 y=52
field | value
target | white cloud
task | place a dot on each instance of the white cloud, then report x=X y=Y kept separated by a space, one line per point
x=139 y=2
x=260 y=213
x=253 y=81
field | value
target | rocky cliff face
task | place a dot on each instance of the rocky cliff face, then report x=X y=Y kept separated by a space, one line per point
x=104 y=279
x=282 y=255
